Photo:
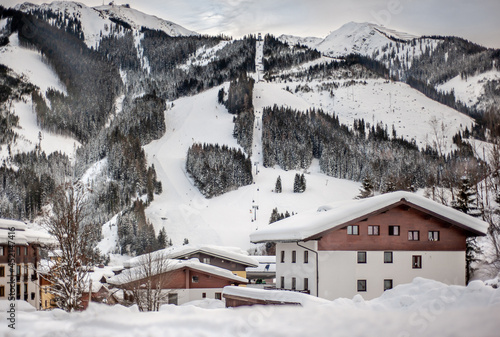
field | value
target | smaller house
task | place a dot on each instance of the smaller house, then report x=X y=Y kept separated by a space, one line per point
x=231 y=258
x=181 y=281
x=239 y=296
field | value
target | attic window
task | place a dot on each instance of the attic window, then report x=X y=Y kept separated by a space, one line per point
x=194 y=279
x=353 y=230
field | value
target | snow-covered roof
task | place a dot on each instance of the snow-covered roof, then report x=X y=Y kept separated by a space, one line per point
x=308 y=224
x=234 y=254
x=22 y=234
x=280 y=296
x=267 y=264
x=134 y=273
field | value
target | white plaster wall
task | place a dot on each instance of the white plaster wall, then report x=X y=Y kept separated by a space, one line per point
x=188 y=295
x=339 y=271
x=32 y=286
x=299 y=269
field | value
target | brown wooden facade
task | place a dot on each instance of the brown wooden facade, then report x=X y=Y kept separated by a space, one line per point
x=451 y=237
x=217 y=261
x=186 y=278
x=23 y=254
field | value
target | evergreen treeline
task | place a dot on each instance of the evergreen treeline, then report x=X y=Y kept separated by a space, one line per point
x=218 y=169
x=279 y=55
x=240 y=103
x=136 y=235
x=291 y=139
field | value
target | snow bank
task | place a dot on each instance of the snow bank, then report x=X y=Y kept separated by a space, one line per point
x=422 y=308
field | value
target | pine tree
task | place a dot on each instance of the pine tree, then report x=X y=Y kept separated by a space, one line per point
x=186 y=242
x=277 y=188
x=162 y=239
x=366 y=189
x=302 y=183
x=299 y=184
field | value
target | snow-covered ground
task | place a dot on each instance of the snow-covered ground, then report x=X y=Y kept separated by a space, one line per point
x=422 y=308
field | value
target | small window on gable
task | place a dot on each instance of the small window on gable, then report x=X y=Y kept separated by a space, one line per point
x=194 y=279
x=413 y=236
x=433 y=235
x=373 y=230
x=394 y=230
x=206 y=260
x=361 y=257
x=353 y=230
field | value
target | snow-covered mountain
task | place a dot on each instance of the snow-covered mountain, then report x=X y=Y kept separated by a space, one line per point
x=360 y=38
x=96 y=21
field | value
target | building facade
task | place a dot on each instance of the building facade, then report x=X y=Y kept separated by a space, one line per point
x=368 y=246
x=19 y=258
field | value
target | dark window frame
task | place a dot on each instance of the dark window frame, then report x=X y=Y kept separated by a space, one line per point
x=195 y=279
x=394 y=230
x=388 y=286
x=282 y=256
x=416 y=261
x=388 y=254
x=306 y=283
x=353 y=230
x=374 y=229
x=282 y=282
x=361 y=285
x=294 y=283
x=306 y=256
x=433 y=236
x=412 y=234
x=362 y=257
x=294 y=256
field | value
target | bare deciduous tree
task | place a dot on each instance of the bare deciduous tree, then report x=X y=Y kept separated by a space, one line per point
x=67 y=222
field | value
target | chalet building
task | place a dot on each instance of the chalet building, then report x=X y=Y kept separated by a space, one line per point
x=368 y=246
x=264 y=274
x=182 y=281
x=19 y=258
x=230 y=258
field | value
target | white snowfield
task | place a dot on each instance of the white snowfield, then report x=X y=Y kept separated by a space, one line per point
x=421 y=308
x=307 y=224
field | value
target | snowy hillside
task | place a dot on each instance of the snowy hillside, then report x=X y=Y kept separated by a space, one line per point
x=96 y=22
x=422 y=308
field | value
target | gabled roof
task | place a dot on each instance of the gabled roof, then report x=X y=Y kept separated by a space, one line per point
x=23 y=235
x=233 y=254
x=134 y=274
x=309 y=225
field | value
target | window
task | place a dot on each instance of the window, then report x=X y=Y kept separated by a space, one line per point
x=294 y=283
x=294 y=256
x=353 y=230
x=282 y=282
x=394 y=230
x=2 y=271
x=361 y=257
x=387 y=284
x=387 y=257
x=306 y=256
x=433 y=235
x=373 y=230
x=203 y=295
x=25 y=250
x=32 y=296
x=306 y=283
x=18 y=250
x=206 y=260
x=1 y=251
x=218 y=296
x=416 y=261
x=194 y=279
x=18 y=291
x=282 y=256
x=413 y=235
x=172 y=299
x=361 y=285
x=2 y=291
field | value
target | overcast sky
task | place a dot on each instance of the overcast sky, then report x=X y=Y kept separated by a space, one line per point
x=478 y=21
